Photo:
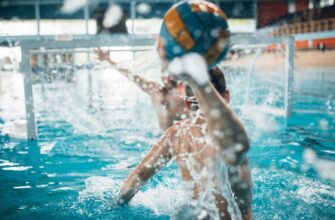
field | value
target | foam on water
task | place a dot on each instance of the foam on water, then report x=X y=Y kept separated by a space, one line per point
x=165 y=199
x=98 y=187
x=5 y=163
x=18 y=168
x=305 y=198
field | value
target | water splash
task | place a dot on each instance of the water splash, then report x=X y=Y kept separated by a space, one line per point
x=100 y=194
x=112 y=16
x=71 y=6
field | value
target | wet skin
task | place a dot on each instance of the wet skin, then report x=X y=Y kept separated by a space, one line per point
x=197 y=145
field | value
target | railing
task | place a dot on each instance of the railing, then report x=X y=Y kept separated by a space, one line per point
x=305 y=27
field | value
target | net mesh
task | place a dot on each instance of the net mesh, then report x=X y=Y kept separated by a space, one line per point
x=256 y=78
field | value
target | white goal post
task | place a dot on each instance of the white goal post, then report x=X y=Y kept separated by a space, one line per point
x=29 y=46
x=86 y=41
x=259 y=43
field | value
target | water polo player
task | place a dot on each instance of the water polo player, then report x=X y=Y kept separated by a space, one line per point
x=211 y=147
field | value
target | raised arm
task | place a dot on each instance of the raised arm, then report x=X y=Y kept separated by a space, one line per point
x=152 y=163
x=146 y=86
x=223 y=125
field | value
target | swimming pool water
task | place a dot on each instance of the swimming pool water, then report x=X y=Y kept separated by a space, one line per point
x=91 y=136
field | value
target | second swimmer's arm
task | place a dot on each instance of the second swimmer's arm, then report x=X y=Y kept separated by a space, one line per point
x=152 y=162
x=145 y=85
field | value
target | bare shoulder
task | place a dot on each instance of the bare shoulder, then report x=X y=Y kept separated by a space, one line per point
x=174 y=130
x=182 y=124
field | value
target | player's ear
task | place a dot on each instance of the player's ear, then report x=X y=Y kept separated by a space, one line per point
x=226 y=96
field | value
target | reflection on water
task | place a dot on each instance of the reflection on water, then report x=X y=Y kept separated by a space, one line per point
x=92 y=135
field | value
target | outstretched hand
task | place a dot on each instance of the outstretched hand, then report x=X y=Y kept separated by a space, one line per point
x=103 y=55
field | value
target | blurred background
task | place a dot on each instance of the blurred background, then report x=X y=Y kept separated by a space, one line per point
x=310 y=21
x=86 y=17
x=90 y=125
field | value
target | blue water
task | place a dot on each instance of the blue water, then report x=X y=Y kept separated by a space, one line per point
x=88 y=143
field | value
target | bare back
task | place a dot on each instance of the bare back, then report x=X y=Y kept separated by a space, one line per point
x=198 y=145
x=196 y=155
